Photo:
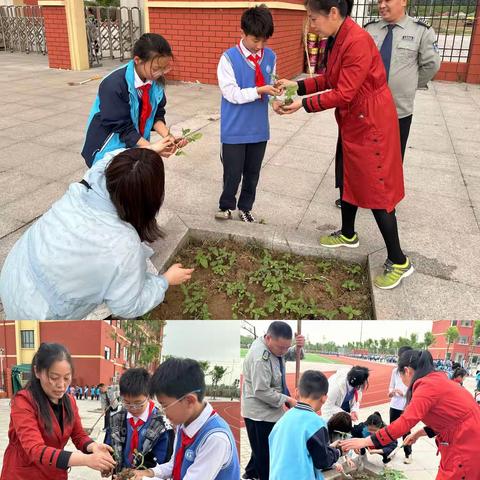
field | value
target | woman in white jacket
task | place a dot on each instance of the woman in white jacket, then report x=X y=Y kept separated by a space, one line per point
x=345 y=389
x=89 y=249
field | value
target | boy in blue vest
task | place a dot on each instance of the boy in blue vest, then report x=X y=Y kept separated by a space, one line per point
x=291 y=456
x=244 y=73
x=139 y=434
x=204 y=445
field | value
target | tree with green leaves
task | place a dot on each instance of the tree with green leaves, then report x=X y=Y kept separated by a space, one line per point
x=217 y=373
x=474 y=339
x=428 y=340
x=451 y=335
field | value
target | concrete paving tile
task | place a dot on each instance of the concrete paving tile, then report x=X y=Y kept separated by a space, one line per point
x=22 y=153
x=8 y=225
x=302 y=158
x=15 y=184
x=29 y=207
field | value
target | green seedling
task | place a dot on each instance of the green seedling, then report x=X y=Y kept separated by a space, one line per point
x=189 y=136
x=350 y=312
x=194 y=302
x=220 y=260
x=350 y=285
x=289 y=93
x=354 y=269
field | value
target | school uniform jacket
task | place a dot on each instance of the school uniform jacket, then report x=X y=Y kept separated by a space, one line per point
x=34 y=454
x=366 y=115
x=451 y=415
x=113 y=120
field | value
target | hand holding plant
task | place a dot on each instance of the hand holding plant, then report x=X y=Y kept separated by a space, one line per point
x=177 y=275
x=187 y=137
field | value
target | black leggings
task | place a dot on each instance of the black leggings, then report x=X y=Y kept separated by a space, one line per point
x=387 y=223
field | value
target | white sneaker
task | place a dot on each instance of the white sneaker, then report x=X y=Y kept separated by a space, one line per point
x=223 y=215
x=408 y=460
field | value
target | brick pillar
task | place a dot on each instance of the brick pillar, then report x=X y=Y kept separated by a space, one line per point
x=65 y=33
x=473 y=70
x=200 y=31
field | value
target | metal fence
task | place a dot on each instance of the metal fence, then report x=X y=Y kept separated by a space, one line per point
x=112 y=32
x=452 y=21
x=22 y=29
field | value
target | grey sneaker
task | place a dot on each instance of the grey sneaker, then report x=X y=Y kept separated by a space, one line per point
x=223 y=215
x=246 y=216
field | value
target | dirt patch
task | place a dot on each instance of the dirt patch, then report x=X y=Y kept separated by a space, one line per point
x=233 y=280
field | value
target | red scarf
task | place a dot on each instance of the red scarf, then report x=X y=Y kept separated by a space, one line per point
x=180 y=453
x=259 y=79
x=146 y=107
x=135 y=427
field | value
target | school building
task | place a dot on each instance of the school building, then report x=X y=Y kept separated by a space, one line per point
x=77 y=36
x=462 y=349
x=99 y=349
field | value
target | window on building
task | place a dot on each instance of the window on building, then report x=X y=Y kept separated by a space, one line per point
x=117 y=350
x=106 y=353
x=125 y=354
x=475 y=360
x=27 y=338
x=466 y=323
x=454 y=323
x=463 y=340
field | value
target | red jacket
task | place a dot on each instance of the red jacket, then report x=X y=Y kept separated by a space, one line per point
x=366 y=115
x=452 y=413
x=32 y=453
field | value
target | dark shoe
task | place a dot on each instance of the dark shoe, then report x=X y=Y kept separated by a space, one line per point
x=246 y=216
x=338 y=202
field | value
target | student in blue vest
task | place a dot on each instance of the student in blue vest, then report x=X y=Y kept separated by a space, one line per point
x=131 y=102
x=139 y=434
x=204 y=444
x=244 y=74
x=299 y=442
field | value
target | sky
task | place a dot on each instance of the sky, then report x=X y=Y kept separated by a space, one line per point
x=342 y=332
x=215 y=341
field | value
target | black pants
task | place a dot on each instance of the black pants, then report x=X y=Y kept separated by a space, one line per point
x=241 y=160
x=404 y=124
x=259 y=464
x=394 y=414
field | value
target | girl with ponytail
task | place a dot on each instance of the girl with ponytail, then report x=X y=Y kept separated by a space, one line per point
x=449 y=413
x=44 y=417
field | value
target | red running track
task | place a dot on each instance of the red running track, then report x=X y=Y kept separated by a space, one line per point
x=230 y=412
x=379 y=380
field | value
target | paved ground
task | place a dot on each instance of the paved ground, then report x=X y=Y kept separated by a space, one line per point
x=90 y=412
x=41 y=134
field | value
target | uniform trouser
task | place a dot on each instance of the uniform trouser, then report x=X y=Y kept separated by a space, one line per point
x=394 y=414
x=404 y=124
x=241 y=162
x=259 y=464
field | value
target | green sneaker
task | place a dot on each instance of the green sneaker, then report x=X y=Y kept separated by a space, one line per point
x=337 y=239
x=393 y=274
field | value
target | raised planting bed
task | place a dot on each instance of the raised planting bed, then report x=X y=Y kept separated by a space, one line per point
x=234 y=280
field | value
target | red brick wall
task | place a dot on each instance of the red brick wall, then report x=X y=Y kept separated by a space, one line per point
x=30 y=2
x=453 y=72
x=57 y=37
x=473 y=73
x=199 y=36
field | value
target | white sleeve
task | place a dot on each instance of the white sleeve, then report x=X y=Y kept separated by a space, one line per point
x=229 y=87
x=391 y=388
x=164 y=470
x=334 y=401
x=132 y=291
x=210 y=458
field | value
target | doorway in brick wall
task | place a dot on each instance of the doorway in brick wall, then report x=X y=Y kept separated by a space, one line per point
x=112 y=32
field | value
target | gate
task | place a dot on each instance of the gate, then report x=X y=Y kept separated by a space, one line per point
x=22 y=29
x=112 y=32
x=452 y=21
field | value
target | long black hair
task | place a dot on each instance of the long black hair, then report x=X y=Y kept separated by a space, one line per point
x=151 y=46
x=421 y=361
x=324 y=6
x=44 y=358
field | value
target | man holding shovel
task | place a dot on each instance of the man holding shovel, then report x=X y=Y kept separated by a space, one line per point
x=265 y=391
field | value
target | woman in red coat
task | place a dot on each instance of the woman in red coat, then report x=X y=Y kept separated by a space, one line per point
x=448 y=410
x=355 y=84
x=43 y=419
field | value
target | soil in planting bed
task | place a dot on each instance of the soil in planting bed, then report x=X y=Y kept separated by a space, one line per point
x=233 y=280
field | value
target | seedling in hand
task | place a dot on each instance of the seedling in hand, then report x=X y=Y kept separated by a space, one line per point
x=189 y=136
x=289 y=92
